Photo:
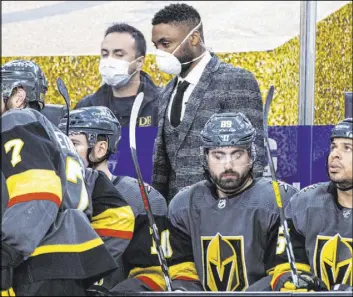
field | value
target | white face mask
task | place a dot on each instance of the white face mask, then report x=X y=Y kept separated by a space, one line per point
x=170 y=64
x=115 y=72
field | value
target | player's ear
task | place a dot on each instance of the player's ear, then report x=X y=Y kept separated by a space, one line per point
x=139 y=63
x=101 y=149
x=19 y=98
x=195 y=38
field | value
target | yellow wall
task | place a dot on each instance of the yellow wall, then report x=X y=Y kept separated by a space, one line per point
x=279 y=67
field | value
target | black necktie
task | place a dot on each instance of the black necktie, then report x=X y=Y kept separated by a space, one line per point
x=177 y=103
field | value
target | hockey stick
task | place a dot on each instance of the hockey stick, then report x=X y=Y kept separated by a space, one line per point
x=277 y=192
x=155 y=235
x=65 y=94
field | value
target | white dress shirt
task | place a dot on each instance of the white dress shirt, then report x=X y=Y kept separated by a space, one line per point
x=193 y=78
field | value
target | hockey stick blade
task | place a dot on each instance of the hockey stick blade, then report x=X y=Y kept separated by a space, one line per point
x=65 y=94
x=133 y=119
x=155 y=234
x=277 y=192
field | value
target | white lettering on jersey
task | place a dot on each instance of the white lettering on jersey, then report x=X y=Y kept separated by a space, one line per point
x=65 y=142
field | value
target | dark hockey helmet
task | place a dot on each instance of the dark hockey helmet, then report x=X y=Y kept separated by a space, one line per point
x=29 y=76
x=343 y=129
x=93 y=121
x=228 y=129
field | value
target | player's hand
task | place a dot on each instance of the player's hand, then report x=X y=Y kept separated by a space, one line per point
x=307 y=283
x=8 y=292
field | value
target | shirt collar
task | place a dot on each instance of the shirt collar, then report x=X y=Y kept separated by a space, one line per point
x=195 y=74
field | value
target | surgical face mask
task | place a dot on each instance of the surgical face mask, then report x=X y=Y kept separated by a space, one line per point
x=115 y=72
x=169 y=63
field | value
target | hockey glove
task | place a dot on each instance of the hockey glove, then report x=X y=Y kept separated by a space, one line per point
x=307 y=283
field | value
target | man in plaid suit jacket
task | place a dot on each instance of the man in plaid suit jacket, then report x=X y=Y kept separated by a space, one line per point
x=214 y=87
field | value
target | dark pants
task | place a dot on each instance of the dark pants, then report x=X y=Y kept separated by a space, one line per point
x=54 y=287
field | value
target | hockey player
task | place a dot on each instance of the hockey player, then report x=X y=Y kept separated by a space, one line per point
x=224 y=229
x=320 y=222
x=48 y=246
x=95 y=132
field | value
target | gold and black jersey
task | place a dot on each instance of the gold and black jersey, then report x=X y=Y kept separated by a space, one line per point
x=140 y=260
x=224 y=244
x=321 y=234
x=45 y=216
x=113 y=220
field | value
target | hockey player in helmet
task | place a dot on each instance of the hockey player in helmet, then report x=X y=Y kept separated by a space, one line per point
x=224 y=229
x=23 y=84
x=320 y=221
x=95 y=132
x=340 y=160
x=46 y=239
x=219 y=152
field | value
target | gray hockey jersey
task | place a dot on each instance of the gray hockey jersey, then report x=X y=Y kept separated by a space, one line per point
x=224 y=244
x=321 y=234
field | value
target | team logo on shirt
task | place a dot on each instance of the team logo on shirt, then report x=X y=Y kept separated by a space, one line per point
x=333 y=260
x=145 y=121
x=223 y=263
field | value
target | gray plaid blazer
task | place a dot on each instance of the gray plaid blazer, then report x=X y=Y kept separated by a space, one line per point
x=222 y=88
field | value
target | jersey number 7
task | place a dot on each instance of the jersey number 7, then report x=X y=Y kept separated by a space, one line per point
x=17 y=145
x=73 y=169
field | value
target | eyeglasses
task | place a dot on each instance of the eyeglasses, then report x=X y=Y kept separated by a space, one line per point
x=222 y=158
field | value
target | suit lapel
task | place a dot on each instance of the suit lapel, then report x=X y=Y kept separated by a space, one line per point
x=164 y=102
x=196 y=98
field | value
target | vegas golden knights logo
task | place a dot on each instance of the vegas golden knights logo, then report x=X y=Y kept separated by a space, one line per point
x=223 y=263
x=333 y=259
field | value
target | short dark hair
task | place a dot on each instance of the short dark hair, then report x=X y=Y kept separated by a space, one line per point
x=178 y=13
x=136 y=34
